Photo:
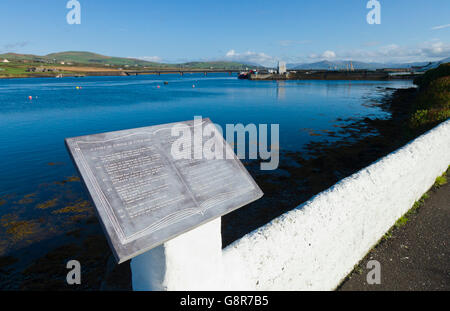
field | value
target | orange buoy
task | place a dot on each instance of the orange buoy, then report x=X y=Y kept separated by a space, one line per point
x=158 y=86
x=30 y=97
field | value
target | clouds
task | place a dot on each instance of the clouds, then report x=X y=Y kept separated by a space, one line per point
x=431 y=50
x=436 y=49
x=250 y=57
x=372 y=51
x=426 y=51
x=12 y=47
x=155 y=59
x=329 y=54
x=440 y=27
x=325 y=55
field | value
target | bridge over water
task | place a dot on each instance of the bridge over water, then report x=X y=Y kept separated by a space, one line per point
x=181 y=71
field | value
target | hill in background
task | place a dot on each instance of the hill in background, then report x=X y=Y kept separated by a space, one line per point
x=94 y=59
x=345 y=64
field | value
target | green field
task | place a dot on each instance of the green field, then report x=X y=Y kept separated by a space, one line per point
x=19 y=63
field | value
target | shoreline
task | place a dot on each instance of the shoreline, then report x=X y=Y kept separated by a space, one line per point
x=360 y=75
x=80 y=75
x=123 y=74
x=119 y=73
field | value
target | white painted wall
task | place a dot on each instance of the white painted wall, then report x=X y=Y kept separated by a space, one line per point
x=312 y=247
x=316 y=245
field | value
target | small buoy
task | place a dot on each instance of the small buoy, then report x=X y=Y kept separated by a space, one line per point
x=193 y=85
x=77 y=87
x=158 y=86
x=30 y=97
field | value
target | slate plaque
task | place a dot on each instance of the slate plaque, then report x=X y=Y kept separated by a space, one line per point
x=145 y=193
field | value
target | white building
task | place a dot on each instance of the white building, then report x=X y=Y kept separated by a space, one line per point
x=5 y=61
x=281 y=68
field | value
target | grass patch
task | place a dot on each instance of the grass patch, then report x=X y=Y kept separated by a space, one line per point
x=401 y=221
x=406 y=217
x=387 y=235
x=441 y=180
x=432 y=104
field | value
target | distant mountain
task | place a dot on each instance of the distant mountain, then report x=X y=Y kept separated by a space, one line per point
x=334 y=65
x=432 y=65
x=93 y=58
x=89 y=58
x=215 y=65
x=342 y=65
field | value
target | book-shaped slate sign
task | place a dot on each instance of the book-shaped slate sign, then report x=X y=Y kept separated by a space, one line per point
x=153 y=183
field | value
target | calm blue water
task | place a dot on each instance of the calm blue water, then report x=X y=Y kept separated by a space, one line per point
x=32 y=132
x=40 y=205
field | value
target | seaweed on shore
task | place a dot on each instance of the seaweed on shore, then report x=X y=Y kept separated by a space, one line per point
x=323 y=163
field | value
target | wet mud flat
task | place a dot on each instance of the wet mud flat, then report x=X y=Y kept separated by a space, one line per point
x=35 y=246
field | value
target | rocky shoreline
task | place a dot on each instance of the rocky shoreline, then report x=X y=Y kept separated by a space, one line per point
x=362 y=75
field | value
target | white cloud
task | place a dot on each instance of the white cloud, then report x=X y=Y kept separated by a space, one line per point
x=13 y=47
x=432 y=50
x=325 y=55
x=440 y=27
x=437 y=49
x=231 y=53
x=427 y=51
x=328 y=54
x=250 y=57
x=155 y=59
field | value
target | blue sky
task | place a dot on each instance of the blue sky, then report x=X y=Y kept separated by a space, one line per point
x=257 y=31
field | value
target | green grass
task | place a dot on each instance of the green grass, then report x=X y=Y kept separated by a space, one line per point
x=97 y=59
x=442 y=180
x=413 y=210
x=387 y=235
x=93 y=59
x=13 y=69
x=432 y=104
x=16 y=69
